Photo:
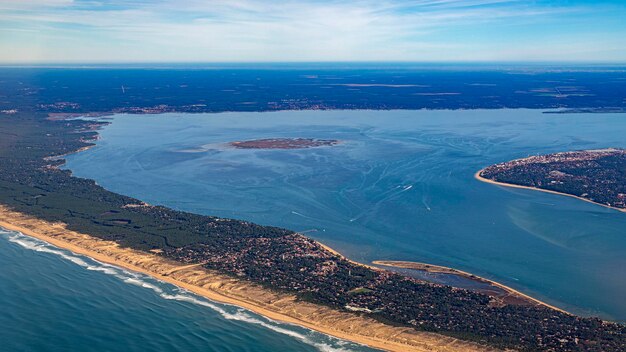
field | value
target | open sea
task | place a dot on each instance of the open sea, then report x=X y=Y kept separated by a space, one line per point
x=399 y=186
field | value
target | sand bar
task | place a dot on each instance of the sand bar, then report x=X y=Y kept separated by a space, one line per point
x=511 y=293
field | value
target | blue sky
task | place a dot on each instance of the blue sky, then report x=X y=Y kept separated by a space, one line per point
x=102 y=31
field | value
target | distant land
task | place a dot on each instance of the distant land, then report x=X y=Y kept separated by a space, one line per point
x=598 y=176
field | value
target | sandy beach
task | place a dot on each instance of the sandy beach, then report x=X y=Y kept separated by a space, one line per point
x=486 y=180
x=221 y=288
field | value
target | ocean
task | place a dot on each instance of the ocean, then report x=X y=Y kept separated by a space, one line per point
x=53 y=300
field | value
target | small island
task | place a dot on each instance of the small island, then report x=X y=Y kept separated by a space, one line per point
x=284 y=143
x=597 y=176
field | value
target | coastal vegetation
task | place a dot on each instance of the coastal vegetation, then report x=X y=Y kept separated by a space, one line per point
x=31 y=182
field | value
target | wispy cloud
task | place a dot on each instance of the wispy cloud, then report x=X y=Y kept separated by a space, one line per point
x=255 y=30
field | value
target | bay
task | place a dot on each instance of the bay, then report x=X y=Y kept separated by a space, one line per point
x=399 y=186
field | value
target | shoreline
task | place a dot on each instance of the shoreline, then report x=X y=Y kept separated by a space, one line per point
x=512 y=185
x=447 y=270
x=281 y=307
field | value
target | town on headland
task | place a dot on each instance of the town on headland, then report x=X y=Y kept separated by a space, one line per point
x=598 y=176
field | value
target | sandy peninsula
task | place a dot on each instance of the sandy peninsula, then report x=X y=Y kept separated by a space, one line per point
x=478 y=176
x=218 y=287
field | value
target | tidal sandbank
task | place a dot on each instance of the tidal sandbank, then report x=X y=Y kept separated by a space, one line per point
x=501 y=294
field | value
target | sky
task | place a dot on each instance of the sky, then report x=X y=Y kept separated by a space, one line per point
x=129 y=31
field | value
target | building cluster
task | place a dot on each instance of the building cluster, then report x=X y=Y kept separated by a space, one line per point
x=595 y=175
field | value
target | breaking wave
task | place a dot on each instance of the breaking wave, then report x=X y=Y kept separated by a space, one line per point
x=171 y=292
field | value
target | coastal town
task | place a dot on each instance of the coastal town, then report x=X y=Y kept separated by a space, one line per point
x=598 y=175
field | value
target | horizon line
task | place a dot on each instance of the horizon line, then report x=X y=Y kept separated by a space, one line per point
x=43 y=64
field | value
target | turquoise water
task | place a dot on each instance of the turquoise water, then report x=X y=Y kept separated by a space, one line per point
x=53 y=300
x=399 y=186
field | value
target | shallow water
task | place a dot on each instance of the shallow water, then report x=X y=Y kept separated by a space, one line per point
x=400 y=186
x=53 y=300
